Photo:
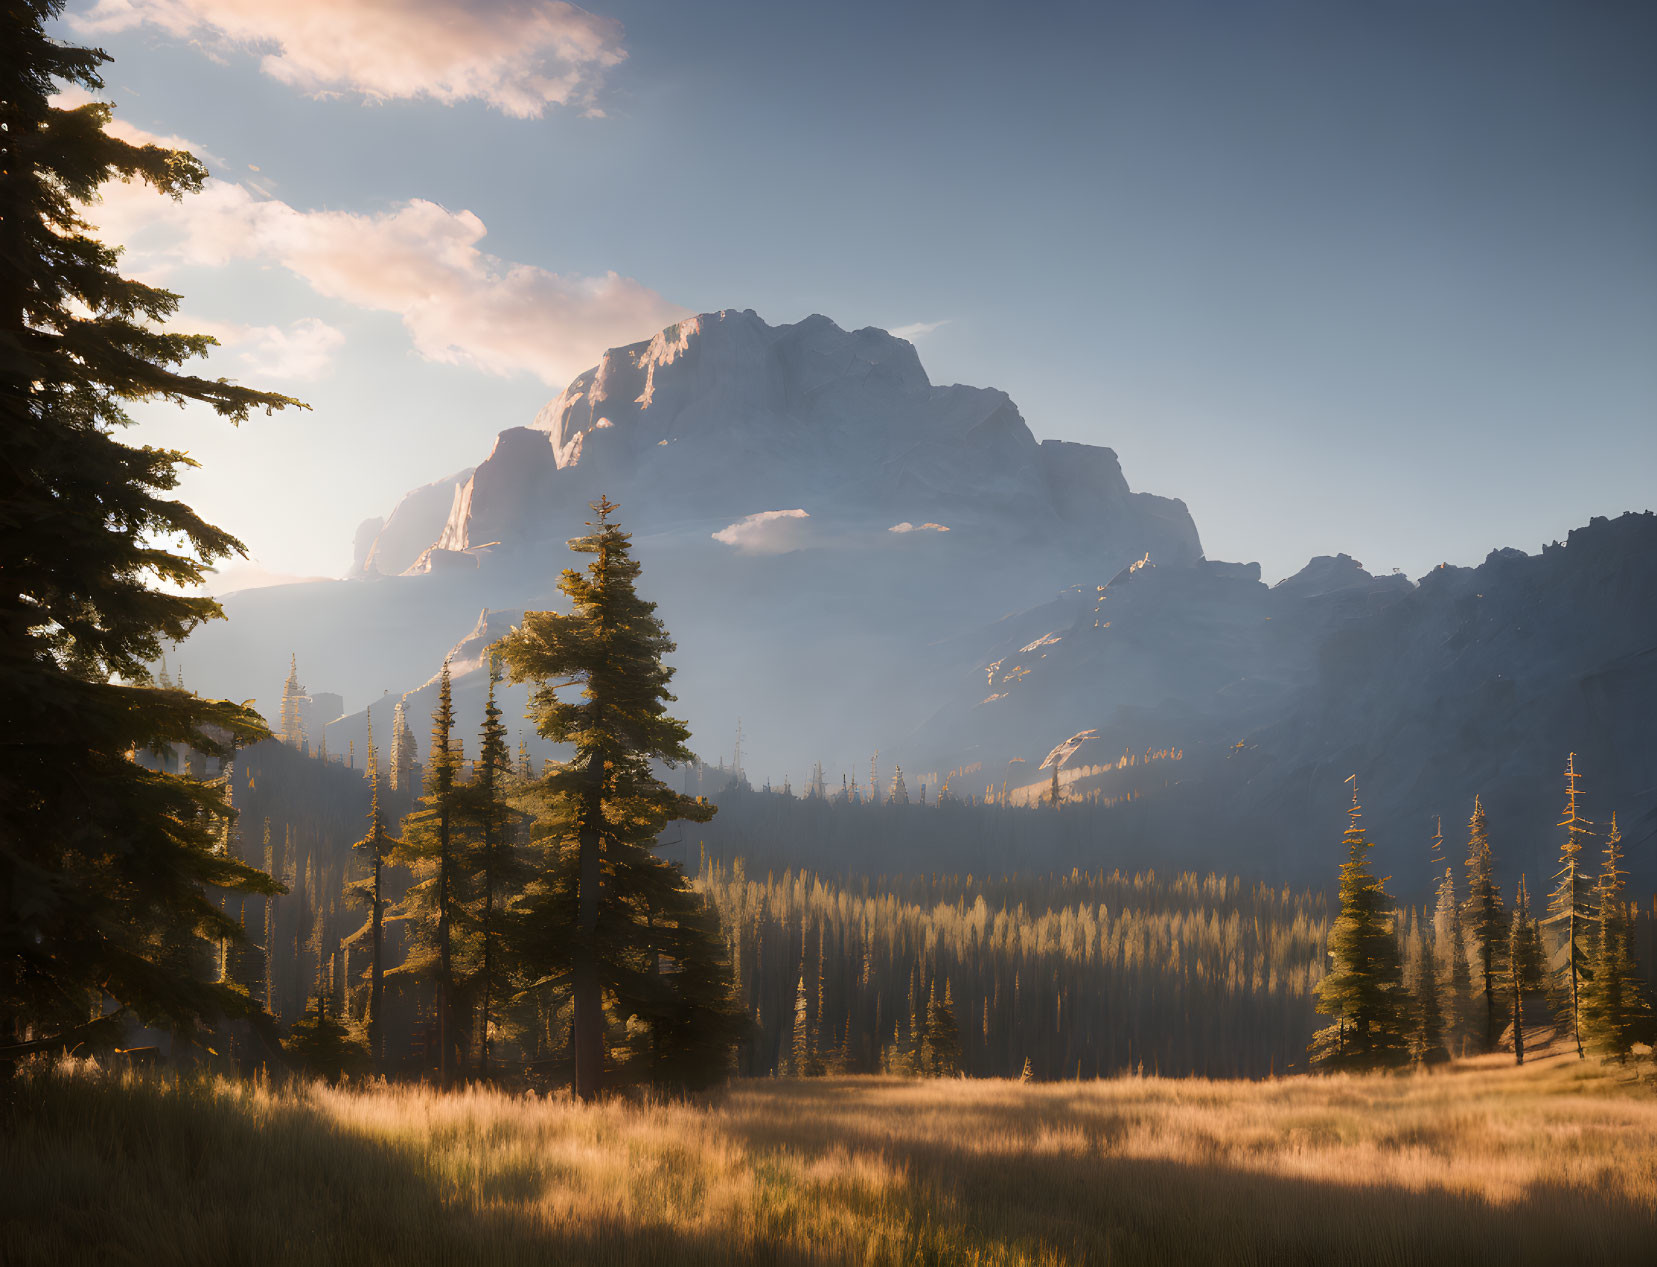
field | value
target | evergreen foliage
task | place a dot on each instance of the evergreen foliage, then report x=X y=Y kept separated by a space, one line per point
x=610 y=914
x=1526 y=965
x=1185 y=974
x=1363 y=990
x=1426 y=1016
x=496 y=869
x=431 y=906
x=322 y=1045
x=1570 y=909
x=107 y=868
x=1455 y=981
x=943 y=1035
x=1616 y=1010
x=377 y=848
x=1485 y=921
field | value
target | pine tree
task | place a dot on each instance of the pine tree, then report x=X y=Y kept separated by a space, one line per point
x=322 y=1045
x=401 y=768
x=900 y=791
x=609 y=911
x=1054 y=793
x=943 y=1035
x=497 y=871
x=1485 y=921
x=377 y=847
x=799 y=1056
x=432 y=851
x=1615 y=1013
x=1363 y=989
x=1426 y=1016
x=1455 y=977
x=103 y=861
x=1570 y=909
x=292 y=715
x=1526 y=965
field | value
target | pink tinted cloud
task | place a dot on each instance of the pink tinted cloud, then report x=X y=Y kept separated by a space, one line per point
x=518 y=56
x=459 y=304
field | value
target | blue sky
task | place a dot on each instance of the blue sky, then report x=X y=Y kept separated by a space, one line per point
x=1379 y=278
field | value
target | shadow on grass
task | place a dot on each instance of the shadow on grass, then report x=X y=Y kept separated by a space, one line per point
x=1095 y=1207
x=94 y=1170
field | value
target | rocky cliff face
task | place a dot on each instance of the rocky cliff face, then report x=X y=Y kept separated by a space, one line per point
x=1473 y=681
x=723 y=416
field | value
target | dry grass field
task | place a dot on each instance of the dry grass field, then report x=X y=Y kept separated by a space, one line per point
x=1481 y=1163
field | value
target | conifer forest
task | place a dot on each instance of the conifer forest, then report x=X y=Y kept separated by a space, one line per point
x=853 y=830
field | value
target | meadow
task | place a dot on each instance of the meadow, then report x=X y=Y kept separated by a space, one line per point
x=1479 y=1163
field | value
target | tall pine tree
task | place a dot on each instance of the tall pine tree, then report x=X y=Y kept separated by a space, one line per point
x=106 y=866
x=495 y=867
x=1455 y=980
x=1615 y=1013
x=610 y=912
x=1485 y=921
x=432 y=851
x=1526 y=965
x=1570 y=910
x=1363 y=990
x=377 y=848
x=1426 y=1017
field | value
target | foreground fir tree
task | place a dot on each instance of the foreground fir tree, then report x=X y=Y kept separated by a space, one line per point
x=616 y=922
x=105 y=866
x=431 y=907
x=1485 y=921
x=1526 y=965
x=1363 y=990
x=1570 y=909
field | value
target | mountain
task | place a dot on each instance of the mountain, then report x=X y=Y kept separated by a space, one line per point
x=853 y=558
x=1472 y=681
x=820 y=524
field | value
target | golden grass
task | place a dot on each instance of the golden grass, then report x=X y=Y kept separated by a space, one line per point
x=1553 y=1163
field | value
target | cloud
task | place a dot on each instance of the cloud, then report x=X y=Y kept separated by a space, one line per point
x=768 y=532
x=518 y=56
x=906 y=526
x=917 y=329
x=459 y=304
x=303 y=350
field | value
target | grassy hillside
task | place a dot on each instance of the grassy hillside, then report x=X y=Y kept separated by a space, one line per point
x=1553 y=1163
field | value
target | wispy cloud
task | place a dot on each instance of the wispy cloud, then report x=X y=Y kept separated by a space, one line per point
x=906 y=526
x=423 y=262
x=518 y=56
x=303 y=349
x=918 y=329
x=768 y=532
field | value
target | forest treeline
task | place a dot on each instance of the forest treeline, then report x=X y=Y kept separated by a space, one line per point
x=1081 y=975
x=1082 y=972
x=1095 y=971
x=1475 y=972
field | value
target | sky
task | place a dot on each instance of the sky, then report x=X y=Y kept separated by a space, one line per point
x=1378 y=278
